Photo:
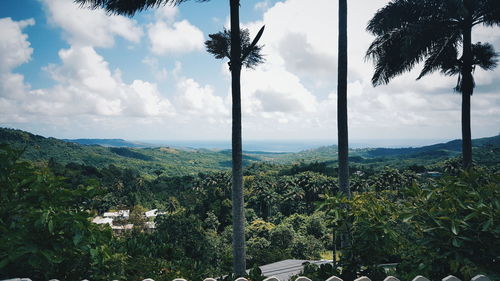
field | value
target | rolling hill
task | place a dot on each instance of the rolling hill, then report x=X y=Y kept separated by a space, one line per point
x=175 y=161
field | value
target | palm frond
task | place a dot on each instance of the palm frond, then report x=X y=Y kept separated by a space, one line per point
x=219 y=44
x=401 y=13
x=444 y=57
x=410 y=31
x=489 y=12
x=253 y=44
x=400 y=49
x=127 y=7
x=484 y=56
x=390 y=17
x=253 y=53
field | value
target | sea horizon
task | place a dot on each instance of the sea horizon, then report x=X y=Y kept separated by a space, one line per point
x=283 y=146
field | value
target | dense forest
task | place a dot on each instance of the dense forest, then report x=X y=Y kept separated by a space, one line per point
x=405 y=202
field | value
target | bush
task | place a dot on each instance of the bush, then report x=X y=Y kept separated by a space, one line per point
x=457 y=226
x=451 y=226
x=45 y=232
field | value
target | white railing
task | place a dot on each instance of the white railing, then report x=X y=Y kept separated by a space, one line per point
x=302 y=278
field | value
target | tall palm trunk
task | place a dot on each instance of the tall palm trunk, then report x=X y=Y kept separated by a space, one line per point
x=342 y=102
x=467 y=89
x=239 y=264
x=343 y=140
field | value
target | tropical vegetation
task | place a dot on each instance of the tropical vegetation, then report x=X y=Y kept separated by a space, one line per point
x=129 y=8
x=425 y=223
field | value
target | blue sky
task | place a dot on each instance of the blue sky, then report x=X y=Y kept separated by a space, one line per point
x=68 y=72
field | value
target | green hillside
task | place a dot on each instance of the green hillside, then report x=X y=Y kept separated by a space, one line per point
x=174 y=161
x=451 y=147
x=486 y=151
x=147 y=160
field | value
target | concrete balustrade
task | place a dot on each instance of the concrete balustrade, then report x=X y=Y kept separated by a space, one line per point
x=303 y=278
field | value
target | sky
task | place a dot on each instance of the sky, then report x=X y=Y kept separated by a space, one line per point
x=70 y=72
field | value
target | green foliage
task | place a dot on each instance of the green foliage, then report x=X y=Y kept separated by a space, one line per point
x=191 y=250
x=306 y=247
x=138 y=218
x=44 y=230
x=127 y=152
x=457 y=224
x=170 y=162
x=445 y=227
x=281 y=236
x=373 y=228
x=391 y=179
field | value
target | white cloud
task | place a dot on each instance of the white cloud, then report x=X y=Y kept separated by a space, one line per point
x=87 y=27
x=263 y=5
x=85 y=76
x=200 y=100
x=14 y=47
x=275 y=90
x=85 y=87
x=84 y=68
x=167 y=12
x=181 y=37
x=15 y=50
x=302 y=58
x=146 y=100
x=89 y=96
x=167 y=37
x=160 y=73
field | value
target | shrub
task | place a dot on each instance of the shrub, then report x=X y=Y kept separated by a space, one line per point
x=44 y=229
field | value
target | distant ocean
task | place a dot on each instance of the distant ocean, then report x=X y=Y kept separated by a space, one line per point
x=292 y=146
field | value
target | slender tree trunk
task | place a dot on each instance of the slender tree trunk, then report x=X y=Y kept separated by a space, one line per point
x=342 y=102
x=239 y=263
x=467 y=90
x=343 y=140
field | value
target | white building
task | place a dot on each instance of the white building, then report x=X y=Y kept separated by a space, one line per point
x=120 y=213
x=101 y=220
x=151 y=213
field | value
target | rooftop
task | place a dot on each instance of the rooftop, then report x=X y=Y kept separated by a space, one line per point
x=285 y=269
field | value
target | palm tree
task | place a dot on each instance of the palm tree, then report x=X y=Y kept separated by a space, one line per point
x=411 y=31
x=235 y=45
x=343 y=141
x=129 y=8
x=342 y=127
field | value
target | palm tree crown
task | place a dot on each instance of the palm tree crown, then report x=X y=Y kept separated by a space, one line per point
x=128 y=8
x=411 y=31
x=219 y=45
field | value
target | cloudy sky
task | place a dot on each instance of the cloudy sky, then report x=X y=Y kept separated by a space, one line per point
x=68 y=72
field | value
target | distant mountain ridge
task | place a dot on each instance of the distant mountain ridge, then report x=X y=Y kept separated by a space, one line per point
x=454 y=145
x=110 y=142
x=147 y=160
x=150 y=159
